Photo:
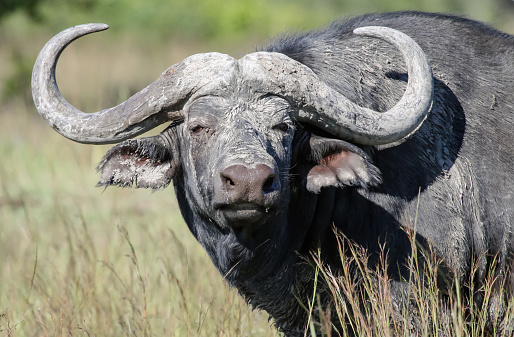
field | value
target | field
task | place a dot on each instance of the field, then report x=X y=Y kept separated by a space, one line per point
x=77 y=260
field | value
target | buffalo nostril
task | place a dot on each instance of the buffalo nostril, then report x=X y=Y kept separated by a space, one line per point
x=268 y=185
x=227 y=181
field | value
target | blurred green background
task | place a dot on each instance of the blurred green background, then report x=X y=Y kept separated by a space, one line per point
x=78 y=260
x=163 y=29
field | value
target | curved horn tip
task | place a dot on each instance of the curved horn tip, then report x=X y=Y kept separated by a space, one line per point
x=92 y=27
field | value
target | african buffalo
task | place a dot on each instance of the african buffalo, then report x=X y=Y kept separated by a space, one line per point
x=356 y=127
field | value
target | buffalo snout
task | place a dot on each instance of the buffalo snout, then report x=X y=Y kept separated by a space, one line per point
x=247 y=195
x=248 y=184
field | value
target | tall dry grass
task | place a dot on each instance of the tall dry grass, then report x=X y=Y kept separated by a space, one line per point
x=80 y=261
x=431 y=302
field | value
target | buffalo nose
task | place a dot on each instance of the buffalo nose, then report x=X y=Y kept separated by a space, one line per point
x=248 y=184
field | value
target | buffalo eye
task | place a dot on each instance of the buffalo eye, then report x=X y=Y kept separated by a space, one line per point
x=196 y=129
x=282 y=127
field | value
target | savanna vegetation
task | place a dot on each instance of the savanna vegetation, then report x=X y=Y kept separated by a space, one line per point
x=76 y=260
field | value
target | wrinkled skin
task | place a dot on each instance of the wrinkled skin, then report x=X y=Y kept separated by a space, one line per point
x=244 y=221
x=298 y=182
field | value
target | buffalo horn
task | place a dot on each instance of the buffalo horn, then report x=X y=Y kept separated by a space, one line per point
x=320 y=105
x=160 y=102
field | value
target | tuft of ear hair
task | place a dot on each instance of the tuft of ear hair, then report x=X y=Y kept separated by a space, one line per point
x=140 y=163
x=338 y=163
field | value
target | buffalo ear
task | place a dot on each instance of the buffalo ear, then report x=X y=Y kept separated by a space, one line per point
x=338 y=163
x=142 y=163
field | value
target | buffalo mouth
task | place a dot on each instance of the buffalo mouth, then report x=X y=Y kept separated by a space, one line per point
x=244 y=215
